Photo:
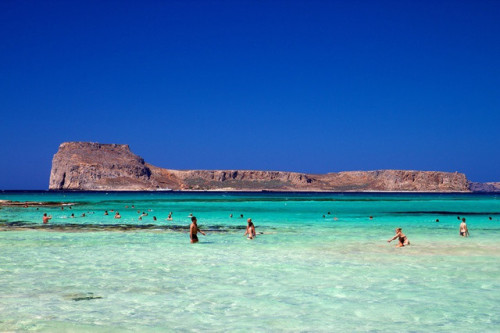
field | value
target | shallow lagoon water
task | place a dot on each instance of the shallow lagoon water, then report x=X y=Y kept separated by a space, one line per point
x=304 y=273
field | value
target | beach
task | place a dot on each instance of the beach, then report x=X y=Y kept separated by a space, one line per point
x=303 y=271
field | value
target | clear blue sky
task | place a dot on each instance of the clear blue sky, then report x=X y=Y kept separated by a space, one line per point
x=309 y=86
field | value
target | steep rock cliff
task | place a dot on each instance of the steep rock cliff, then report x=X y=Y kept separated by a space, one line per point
x=95 y=166
x=398 y=180
x=101 y=167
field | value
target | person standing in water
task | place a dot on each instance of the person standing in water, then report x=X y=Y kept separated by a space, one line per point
x=403 y=240
x=46 y=218
x=193 y=230
x=464 y=231
x=250 y=229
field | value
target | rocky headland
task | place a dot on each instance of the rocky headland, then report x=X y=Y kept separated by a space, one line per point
x=113 y=167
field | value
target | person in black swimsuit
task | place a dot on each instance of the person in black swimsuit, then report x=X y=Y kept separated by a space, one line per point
x=193 y=230
x=403 y=240
x=464 y=231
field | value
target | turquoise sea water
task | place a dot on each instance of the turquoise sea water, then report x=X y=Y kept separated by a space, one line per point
x=303 y=272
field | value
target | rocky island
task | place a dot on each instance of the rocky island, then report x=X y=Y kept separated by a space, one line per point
x=93 y=166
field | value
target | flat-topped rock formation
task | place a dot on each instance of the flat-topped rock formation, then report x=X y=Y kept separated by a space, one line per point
x=112 y=167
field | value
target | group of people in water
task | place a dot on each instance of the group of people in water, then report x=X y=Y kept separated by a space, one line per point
x=194 y=230
x=403 y=240
x=250 y=229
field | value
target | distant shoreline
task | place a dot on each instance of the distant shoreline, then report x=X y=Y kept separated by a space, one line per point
x=242 y=191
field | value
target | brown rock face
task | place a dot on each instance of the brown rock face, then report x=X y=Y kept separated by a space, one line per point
x=399 y=180
x=112 y=167
x=95 y=166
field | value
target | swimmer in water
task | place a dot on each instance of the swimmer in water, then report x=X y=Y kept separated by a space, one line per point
x=193 y=230
x=403 y=240
x=117 y=215
x=250 y=229
x=46 y=218
x=463 y=231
